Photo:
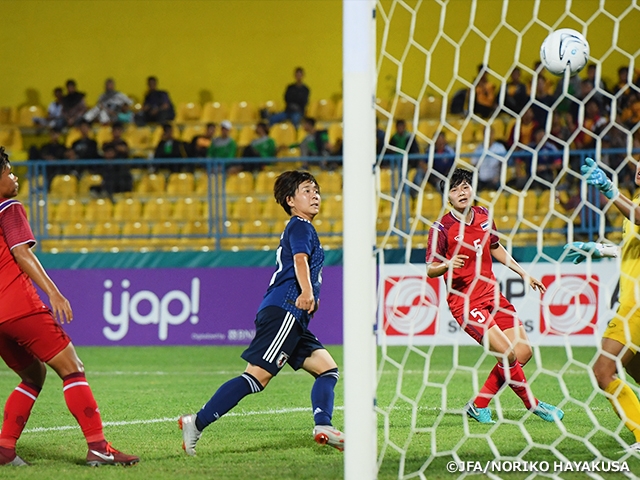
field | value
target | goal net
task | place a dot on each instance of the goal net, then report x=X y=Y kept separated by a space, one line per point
x=461 y=78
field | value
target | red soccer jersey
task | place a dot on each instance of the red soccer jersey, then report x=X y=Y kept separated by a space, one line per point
x=18 y=296
x=449 y=237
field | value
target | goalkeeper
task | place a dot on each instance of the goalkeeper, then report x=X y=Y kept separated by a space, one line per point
x=622 y=336
x=461 y=245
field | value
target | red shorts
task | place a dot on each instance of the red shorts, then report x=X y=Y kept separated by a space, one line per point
x=36 y=336
x=485 y=314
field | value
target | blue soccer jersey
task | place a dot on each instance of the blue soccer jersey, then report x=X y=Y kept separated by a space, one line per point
x=299 y=236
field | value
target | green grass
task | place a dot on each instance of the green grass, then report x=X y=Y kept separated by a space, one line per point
x=268 y=436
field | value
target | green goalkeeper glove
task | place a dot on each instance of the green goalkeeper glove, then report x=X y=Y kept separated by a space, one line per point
x=595 y=176
x=578 y=251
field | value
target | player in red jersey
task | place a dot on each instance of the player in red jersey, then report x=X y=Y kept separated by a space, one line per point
x=462 y=245
x=31 y=337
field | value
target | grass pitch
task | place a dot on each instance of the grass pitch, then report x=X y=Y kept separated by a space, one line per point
x=142 y=391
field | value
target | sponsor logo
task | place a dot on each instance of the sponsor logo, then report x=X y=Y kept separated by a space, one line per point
x=146 y=308
x=108 y=458
x=570 y=305
x=282 y=359
x=411 y=305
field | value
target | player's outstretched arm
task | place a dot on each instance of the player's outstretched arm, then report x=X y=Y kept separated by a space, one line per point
x=579 y=251
x=500 y=254
x=30 y=264
x=595 y=176
x=305 y=300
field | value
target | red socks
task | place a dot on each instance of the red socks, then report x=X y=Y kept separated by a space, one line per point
x=497 y=378
x=83 y=407
x=16 y=413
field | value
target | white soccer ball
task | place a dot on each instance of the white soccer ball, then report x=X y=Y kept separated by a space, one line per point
x=564 y=49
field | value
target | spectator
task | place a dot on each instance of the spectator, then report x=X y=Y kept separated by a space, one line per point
x=489 y=163
x=621 y=89
x=200 y=143
x=516 y=96
x=443 y=161
x=403 y=139
x=84 y=148
x=379 y=138
x=223 y=146
x=73 y=105
x=296 y=98
x=630 y=116
x=528 y=125
x=562 y=127
x=316 y=142
x=157 y=107
x=54 y=112
x=116 y=178
x=52 y=150
x=594 y=122
x=542 y=95
x=169 y=147
x=109 y=104
x=117 y=143
x=549 y=158
x=485 y=101
x=264 y=146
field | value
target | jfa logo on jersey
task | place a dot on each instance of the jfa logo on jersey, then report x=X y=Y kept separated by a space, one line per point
x=570 y=305
x=411 y=305
x=282 y=359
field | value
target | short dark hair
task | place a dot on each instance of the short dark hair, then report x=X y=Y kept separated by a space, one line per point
x=211 y=124
x=400 y=122
x=166 y=127
x=286 y=185
x=151 y=77
x=71 y=82
x=299 y=69
x=458 y=177
x=117 y=124
x=4 y=160
x=310 y=120
x=264 y=126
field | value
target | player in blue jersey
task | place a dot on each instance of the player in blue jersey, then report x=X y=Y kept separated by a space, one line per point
x=282 y=334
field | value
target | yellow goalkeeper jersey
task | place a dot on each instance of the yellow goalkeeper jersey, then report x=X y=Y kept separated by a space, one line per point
x=630 y=267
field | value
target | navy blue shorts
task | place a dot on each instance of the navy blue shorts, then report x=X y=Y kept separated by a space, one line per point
x=279 y=339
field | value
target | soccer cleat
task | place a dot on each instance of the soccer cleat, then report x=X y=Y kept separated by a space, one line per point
x=547 y=412
x=634 y=448
x=481 y=415
x=190 y=433
x=327 y=435
x=16 y=461
x=110 y=456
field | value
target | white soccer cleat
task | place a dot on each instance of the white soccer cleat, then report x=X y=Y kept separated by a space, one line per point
x=327 y=435
x=190 y=433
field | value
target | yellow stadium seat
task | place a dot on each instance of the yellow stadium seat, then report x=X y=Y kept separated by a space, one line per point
x=156 y=136
x=157 y=209
x=106 y=236
x=75 y=236
x=289 y=153
x=63 y=186
x=239 y=184
x=98 y=210
x=325 y=110
x=214 y=112
x=530 y=206
x=138 y=139
x=231 y=237
x=87 y=181
x=11 y=139
x=165 y=234
x=181 y=184
x=187 y=209
x=431 y=106
x=335 y=132
x=264 y=182
x=74 y=134
x=271 y=210
x=243 y=112
x=246 y=209
x=428 y=128
x=135 y=234
x=338 y=112
x=103 y=135
x=331 y=207
x=196 y=235
x=151 y=183
x=330 y=182
x=405 y=109
x=283 y=134
x=27 y=113
x=202 y=184
x=188 y=112
x=52 y=239
x=192 y=130
x=69 y=211
x=256 y=234
x=385 y=180
x=6 y=115
x=127 y=209
x=246 y=135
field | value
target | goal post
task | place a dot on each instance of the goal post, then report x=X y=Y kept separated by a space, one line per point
x=359 y=239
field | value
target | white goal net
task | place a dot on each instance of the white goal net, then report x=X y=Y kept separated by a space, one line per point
x=461 y=78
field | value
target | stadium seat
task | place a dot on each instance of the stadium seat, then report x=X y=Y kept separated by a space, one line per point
x=135 y=235
x=530 y=204
x=151 y=183
x=87 y=181
x=138 y=139
x=330 y=182
x=325 y=110
x=165 y=235
x=214 y=112
x=283 y=134
x=11 y=139
x=428 y=128
x=27 y=113
x=338 y=112
x=385 y=180
x=188 y=112
x=264 y=182
x=331 y=207
x=288 y=153
x=127 y=209
x=246 y=209
x=192 y=130
x=196 y=235
x=106 y=236
x=246 y=136
x=157 y=209
x=52 y=239
x=74 y=134
x=257 y=235
x=103 y=135
x=405 y=109
x=499 y=130
x=181 y=184
x=156 y=135
x=382 y=105
x=75 y=236
x=6 y=116
x=335 y=133
x=239 y=184
x=242 y=112
x=69 y=210
x=98 y=210
x=63 y=186
x=231 y=235
x=202 y=184
x=431 y=205
x=271 y=210
x=187 y=209
x=431 y=106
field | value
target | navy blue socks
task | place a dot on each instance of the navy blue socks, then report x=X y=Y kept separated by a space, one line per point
x=227 y=397
x=322 y=396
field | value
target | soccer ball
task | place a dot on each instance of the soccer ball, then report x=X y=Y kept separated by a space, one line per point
x=564 y=49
